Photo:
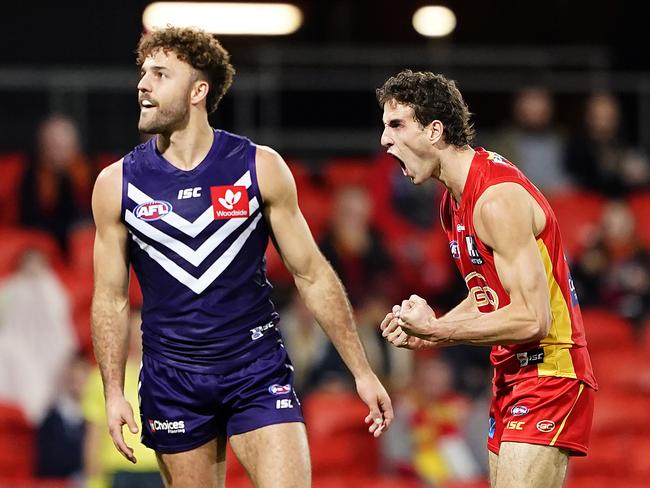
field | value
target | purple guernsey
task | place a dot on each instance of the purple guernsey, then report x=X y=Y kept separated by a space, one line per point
x=196 y=242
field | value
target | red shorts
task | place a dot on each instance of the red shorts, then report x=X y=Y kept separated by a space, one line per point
x=549 y=411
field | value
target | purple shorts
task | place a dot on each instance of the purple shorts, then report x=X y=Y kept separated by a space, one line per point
x=181 y=410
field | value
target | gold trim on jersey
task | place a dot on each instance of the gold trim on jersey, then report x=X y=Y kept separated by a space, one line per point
x=561 y=428
x=558 y=342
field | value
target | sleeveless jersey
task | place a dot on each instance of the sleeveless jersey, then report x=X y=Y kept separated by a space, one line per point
x=196 y=241
x=563 y=352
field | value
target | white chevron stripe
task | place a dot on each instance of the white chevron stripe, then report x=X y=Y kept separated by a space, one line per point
x=191 y=229
x=193 y=257
x=198 y=285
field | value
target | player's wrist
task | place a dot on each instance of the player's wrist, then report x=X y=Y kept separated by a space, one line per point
x=113 y=393
x=364 y=376
x=444 y=330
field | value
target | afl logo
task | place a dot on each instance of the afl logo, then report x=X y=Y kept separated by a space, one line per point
x=279 y=389
x=152 y=210
x=519 y=410
x=545 y=425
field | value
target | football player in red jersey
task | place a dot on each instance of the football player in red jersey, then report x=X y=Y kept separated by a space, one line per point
x=506 y=243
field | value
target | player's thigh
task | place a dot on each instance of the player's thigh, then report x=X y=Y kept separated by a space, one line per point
x=522 y=465
x=275 y=456
x=493 y=463
x=204 y=466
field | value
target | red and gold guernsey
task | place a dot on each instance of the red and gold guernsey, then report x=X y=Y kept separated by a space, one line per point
x=563 y=352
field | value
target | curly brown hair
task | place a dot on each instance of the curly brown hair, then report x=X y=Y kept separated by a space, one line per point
x=432 y=97
x=197 y=48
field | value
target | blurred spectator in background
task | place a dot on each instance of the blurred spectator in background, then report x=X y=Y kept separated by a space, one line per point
x=432 y=415
x=355 y=249
x=614 y=270
x=400 y=206
x=470 y=366
x=599 y=158
x=36 y=336
x=406 y=218
x=304 y=339
x=57 y=185
x=357 y=252
x=533 y=143
x=60 y=437
x=104 y=465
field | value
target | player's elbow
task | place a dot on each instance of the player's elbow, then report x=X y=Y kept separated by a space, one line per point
x=540 y=325
x=309 y=270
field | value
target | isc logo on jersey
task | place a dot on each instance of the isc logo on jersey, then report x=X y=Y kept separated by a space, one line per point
x=152 y=210
x=229 y=202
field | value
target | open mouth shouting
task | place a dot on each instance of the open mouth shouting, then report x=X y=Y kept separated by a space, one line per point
x=401 y=163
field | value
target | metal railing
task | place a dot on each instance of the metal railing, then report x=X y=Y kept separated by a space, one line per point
x=265 y=82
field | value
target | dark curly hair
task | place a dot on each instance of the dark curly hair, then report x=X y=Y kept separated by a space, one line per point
x=197 y=48
x=432 y=97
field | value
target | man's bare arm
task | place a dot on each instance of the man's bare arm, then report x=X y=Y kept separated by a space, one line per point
x=506 y=219
x=315 y=279
x=110 y=305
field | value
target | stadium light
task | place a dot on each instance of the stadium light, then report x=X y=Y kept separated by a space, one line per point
x=259 y=19
x=434 y=21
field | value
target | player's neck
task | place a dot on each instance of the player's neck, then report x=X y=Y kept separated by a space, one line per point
x=187 y=147
x=454 y=169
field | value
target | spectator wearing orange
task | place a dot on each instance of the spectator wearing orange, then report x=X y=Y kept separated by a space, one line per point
x=57 y=185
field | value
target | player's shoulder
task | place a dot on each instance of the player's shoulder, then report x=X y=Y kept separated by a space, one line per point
x=269 y=162
x=110 y=176
x=268 y=155
x=273 y=175
x=107 y=193
x=501 y=199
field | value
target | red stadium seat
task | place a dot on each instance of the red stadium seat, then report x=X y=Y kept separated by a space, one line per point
x=341 y=172
x=135 y=293
x=639 y=456
x=338 y=437
x=578 y=214
x=301 y=175
x=236 y=476
x=345 y=480
x=605 y=330
x=624 y=370
x=607 y=454
x=275 y=268
x=103 y=160
x=12 y=168
x=16 y=241
x=316 y=206
x=612 y=480
x=466 y=484
x=618 y=459
x=640 y=207
x=17 y=449
x=618 y=414
x=81 y=248
x=79 y=285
